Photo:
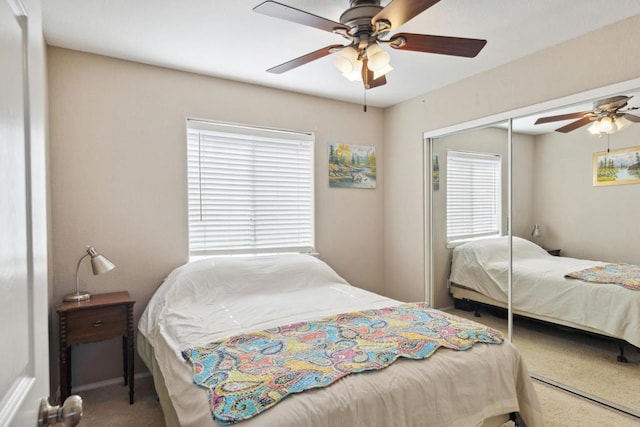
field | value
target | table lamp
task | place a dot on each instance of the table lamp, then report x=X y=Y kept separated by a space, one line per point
x=536 y=234
x=99 y=264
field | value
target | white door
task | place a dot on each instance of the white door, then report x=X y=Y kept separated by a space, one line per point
x=24 y=373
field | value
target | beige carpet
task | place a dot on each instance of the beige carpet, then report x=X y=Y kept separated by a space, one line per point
x=578 y=360
x=109 y=407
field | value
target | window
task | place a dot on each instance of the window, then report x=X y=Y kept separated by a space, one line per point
x=473 y=195
x=250 y=189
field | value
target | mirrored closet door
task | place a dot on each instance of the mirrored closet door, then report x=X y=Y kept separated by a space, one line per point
x=469 y=193
x=571 y=185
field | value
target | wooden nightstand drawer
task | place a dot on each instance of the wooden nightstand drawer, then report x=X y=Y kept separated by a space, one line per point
x=97 y=324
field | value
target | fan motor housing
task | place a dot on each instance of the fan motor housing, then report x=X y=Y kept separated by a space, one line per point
x=358 y=16
x=610 y=104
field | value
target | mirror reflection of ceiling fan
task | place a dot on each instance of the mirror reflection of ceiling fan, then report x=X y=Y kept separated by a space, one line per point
x=366 y=25
x=608 y=116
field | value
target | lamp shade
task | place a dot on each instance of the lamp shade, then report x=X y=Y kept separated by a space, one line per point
x=536 y=231
x=99 y=263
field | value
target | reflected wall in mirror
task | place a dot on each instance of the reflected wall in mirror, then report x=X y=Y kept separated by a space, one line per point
x=585 y=226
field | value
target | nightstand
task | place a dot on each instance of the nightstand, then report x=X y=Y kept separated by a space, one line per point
x=554 y=252
x=103 y=317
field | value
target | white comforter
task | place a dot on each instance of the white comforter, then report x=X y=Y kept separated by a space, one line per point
x=540 y=288
x=213 y=299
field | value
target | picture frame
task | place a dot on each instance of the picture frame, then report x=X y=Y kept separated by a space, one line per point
x=352 y=166
x=616 y=167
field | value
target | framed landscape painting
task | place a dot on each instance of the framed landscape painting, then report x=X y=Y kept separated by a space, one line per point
x=616 y=167
x=352 y=166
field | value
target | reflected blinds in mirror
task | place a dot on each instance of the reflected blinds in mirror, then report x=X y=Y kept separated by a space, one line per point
x=473 y=195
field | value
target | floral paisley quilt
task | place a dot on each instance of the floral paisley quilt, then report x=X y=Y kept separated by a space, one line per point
x=247 y=374
x=627 y=275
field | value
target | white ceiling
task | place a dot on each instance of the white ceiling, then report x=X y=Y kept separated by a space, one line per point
x=226 y=39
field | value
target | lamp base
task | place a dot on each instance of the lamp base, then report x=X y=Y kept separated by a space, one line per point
x=77 y=297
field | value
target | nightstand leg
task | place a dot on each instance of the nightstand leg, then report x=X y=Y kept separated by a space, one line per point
x=68 y=371
x=125 y=360
x=130 y=354
x=130 y=369
x=64 y=379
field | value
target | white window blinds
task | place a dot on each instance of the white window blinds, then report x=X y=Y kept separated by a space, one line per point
x=250 y=189
x=473 y=195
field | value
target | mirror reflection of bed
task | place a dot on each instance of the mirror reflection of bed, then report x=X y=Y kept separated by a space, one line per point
x=571 y=340
x=588 y=348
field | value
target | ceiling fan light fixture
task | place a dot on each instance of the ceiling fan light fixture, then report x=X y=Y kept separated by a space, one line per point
x=621 y=122
x=347 y=61
x=378 y=59
x=356 y=74
x=594 y=128
x=379 y=73
x=608 y=125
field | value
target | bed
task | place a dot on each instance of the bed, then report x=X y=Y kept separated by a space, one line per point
x=214 y=299
x=479 y=273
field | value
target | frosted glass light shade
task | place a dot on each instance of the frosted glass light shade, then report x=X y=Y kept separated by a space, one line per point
x=378 y=59
x=347 y=61
x=356 y=74
x=608 y=125
x=382 y=72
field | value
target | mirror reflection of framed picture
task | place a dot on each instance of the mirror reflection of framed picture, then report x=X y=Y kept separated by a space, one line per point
x=616 y=167
x=436 y=173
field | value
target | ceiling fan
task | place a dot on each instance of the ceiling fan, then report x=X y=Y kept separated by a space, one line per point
x=608 y=116
x=366 y=25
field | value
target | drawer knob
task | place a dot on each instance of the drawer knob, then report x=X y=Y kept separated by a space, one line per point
x=98 y=323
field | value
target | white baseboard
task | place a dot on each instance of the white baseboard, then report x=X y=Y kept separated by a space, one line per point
x=107 y=383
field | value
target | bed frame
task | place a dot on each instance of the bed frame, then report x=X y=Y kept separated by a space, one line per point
x=470 y=300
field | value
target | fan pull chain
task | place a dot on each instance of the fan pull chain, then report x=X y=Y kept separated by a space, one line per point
x=608 y=143
x=365 y=100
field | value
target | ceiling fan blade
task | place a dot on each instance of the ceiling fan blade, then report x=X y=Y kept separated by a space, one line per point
x=304 y=59
x=631 y=118
x=400 y=11
x=288 y=13
x=380 y=81
x=456 y=46
x=561 y=117
x=368 y=79
x=575 y=125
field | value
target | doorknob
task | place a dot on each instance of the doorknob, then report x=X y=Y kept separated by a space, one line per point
x=69 y=413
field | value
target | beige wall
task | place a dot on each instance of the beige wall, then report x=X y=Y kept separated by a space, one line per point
x=553 y=73
x=118 y=176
